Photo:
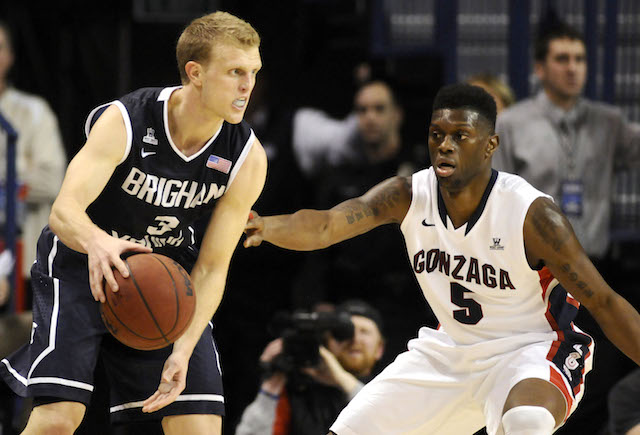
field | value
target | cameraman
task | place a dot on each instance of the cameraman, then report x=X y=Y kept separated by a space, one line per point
x=306 y=400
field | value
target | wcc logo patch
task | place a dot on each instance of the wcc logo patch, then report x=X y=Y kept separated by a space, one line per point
x=150 y=137
x=496 y=246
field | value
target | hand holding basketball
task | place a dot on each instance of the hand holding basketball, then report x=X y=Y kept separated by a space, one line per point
x=104 y=253
x=153 y=306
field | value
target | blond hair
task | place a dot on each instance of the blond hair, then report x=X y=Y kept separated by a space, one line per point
x=497 y=86
x=203 y=33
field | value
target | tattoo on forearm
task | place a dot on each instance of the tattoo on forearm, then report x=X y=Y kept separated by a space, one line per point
x=356 y=213
x=554 y=234
x=573 y=276
x=386 y=199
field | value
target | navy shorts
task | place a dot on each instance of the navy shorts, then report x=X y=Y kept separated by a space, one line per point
x=68 y=337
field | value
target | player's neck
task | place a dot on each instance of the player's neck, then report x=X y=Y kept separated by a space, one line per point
x=189 y=124
x=462 y=203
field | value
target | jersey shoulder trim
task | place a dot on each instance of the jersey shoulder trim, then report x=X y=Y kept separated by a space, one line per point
x=166 y=93
x=98 y=111
x=420 y=194
x=243 y=156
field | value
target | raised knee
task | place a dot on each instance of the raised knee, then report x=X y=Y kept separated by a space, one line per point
x=528 y=420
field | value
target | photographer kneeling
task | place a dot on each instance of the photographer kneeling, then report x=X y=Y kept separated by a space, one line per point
x=314 y=369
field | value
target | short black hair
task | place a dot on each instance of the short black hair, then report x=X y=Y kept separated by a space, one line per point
x=549 y=31
x=470 y=97
x=387 y=83
x=358 y=307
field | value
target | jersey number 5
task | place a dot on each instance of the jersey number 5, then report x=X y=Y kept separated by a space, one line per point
x=471 y=313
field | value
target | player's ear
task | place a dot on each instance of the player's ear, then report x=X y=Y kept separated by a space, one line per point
x=492 y=145
x=194 y=72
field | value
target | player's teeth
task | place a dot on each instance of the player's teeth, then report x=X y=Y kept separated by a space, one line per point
x=239 y=102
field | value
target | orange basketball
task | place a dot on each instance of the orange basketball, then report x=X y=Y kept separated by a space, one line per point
x=153 y=307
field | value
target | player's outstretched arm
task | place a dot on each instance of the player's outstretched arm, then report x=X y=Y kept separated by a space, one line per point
x=86 y=176
x=549 y=238
x=308 y=230
x=209 y=274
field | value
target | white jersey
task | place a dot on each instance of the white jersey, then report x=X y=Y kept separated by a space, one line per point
x=502 y=322
x=476 y=278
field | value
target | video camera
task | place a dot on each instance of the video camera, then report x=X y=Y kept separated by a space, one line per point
x=302 y=334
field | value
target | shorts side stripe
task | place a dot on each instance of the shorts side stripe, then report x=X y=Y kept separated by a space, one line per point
x=215 y=349
x=61 y=381
x=556 y=378
x=46 y=380
x=54 y=313
x=15 y=374
x=181 y=398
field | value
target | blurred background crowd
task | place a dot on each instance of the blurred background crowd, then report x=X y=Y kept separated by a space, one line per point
x=343 y=102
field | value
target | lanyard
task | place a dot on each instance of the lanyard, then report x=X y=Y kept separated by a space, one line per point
x=567 y=136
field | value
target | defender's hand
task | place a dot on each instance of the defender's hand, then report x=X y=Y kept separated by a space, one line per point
x=104 y=255
x=253 y=229
x=172 y=383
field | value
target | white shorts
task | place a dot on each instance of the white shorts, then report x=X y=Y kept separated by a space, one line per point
x=434 y=393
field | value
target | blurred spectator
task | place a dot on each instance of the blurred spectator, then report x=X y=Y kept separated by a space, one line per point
x=306 y=400
x=40 y=155
x=6 y=264
x=343 y=159
x=497 y=88
x=571 y=147
x=624 y=405
x=559 y=141
x=368 y=136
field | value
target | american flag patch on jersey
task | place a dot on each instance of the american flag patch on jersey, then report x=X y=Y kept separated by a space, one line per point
x=219 y=164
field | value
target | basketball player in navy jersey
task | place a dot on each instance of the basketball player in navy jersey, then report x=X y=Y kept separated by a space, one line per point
x=502 y=270
x=155 y=161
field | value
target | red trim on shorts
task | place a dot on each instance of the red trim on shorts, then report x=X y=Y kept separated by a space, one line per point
x=545 y=279
x=556 y=379
x=555 y=346
x=572 y=301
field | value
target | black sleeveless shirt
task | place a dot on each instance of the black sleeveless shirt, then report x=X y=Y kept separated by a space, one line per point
x=156 y=193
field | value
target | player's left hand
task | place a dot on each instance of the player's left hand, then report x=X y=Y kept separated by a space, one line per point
x=172 y=383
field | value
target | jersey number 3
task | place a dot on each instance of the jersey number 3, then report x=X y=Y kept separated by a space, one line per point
x=471 y=312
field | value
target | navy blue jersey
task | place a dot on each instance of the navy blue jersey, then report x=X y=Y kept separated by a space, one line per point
x=157 y=193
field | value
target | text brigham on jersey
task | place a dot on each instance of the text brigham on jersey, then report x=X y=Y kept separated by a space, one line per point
x=166 y=192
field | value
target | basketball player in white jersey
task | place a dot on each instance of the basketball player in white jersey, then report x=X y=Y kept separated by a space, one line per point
x=502 y=270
